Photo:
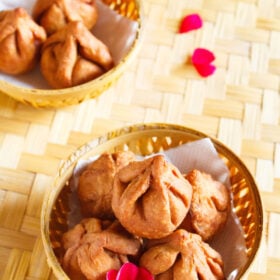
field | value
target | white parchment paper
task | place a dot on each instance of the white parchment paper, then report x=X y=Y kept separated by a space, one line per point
x=203 y=156
x=116 y=31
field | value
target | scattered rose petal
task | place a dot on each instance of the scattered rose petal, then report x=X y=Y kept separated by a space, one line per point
x=190 y=22
x=205 y=70
x=202 y=59
x=129 y=271
x=111 y=274
x=202 y=56
x=144 y=274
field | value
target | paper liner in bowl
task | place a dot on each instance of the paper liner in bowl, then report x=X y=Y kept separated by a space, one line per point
x=144 y=140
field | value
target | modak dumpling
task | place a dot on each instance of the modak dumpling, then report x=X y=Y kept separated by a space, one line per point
x=95 y=187
x=209 y=207
x=93 y=247
x=20 y=41
x=73 y=55
x=55 y=14
x=182 y=255
x=151 y=197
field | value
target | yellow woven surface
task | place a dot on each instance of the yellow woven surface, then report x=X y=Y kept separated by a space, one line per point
x=239 y=104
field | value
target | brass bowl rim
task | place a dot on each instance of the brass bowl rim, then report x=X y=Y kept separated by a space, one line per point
x=84 y=149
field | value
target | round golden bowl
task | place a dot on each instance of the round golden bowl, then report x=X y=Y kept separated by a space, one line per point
x=55 y=98
x=145 y=139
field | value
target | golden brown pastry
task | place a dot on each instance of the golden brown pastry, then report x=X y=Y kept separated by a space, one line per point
x=209 y=207
x=55 y=14
x=92 y=248
x=151 y=197
x=20 y=41
x=96 y=184
x=73 y=55
x=182 y=255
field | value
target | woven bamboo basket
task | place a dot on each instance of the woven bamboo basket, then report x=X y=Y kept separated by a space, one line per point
x=145 y=139
x=55 y=98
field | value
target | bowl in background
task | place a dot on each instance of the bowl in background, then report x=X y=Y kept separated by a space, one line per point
x=36 y=96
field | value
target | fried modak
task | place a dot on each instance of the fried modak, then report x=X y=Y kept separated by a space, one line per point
x=73 y=56
x=151 y=197
x=93 y=247
x=20 y=41
x=55 y=14
x=182 y=255
x=95 y=186
x=209 y=207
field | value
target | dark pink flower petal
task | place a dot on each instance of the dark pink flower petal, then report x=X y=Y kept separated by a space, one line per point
x=205 y=70
x=201 y=60
x=190 y=22
x=202 y=56
x=128 y=271
x=144 y=274
x=111 y=274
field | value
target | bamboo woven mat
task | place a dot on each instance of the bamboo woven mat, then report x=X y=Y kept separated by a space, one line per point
x=239 y=105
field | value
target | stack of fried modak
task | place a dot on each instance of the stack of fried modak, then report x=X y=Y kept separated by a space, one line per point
x=146 y=212
x=58 y=36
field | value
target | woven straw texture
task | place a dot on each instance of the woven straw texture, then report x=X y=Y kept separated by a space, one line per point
x=239 y=105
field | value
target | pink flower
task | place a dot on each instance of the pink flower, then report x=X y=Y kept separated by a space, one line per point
x=190 y=22
x=129 y=271
x=202 y=59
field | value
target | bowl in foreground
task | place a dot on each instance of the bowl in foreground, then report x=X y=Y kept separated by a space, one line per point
x=146 y=139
